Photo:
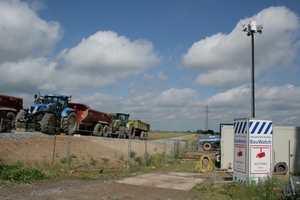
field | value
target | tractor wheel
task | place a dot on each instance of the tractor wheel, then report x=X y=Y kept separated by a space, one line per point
x=131 y=132
x=206 y=146
x=3 y=124
x=122 y=130
x=142 y=135
x=146 y=136
x=106 y=131
x=69 y=123
x=98 y=130
x=48 y=124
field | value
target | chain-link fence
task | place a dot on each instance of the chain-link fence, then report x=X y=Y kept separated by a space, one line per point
x=88 y=153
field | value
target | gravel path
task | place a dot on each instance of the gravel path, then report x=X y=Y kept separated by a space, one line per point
x=15 y=135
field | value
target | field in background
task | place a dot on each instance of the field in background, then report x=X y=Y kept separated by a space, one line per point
x=166 y=135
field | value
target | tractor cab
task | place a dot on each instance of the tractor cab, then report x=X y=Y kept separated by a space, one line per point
x=54 y=103
x=122 y=117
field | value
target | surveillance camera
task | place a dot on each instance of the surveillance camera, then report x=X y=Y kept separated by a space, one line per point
x=259 y=28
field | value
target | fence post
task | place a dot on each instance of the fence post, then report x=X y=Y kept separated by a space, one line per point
x=129 y=151
x=54 y=149
x=68 y=151
x=145 y=155
x=165 y=150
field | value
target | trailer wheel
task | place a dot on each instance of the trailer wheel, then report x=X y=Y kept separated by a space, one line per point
x=142 y=135
x=2 y=119
x=20 y=116
x=281 y=167
x=206 y=146
x=48 y=124
x=106 y=131
x=20 y=120
x=146 y=136
x=131 y=132
x=11 y=116
x=98 y=130
x=69 y=123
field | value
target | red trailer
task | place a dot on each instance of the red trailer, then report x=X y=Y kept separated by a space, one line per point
x=9 y=108
x=92 y=120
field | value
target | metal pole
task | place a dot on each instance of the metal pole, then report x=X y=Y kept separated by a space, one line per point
x=252 y=77
x=145 y=156
x=165 y=151
x=53 y=149
x=128 y=156
x=68 y=151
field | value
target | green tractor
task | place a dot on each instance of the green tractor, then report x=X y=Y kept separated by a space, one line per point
x=122 y=127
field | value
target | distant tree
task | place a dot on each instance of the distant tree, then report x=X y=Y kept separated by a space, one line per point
x=209 y=132
x=199 y=131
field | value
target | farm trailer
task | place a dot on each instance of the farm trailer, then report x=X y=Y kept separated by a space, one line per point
x=95 y=121
x=107 y=124
x=9 y=107
x=141 y=129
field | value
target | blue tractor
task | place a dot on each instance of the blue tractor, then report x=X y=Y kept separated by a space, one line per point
x=49 y=114
x=208 y=143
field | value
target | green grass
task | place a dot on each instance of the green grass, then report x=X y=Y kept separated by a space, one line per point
x=261 y=191
x=165 y=135
x=17 y=173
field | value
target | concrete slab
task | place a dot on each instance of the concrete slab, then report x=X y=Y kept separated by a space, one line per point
x=169 y=180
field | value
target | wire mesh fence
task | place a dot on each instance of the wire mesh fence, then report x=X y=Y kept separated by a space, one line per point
x=89 y=153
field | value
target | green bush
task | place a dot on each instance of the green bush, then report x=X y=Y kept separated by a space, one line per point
x=18 y=173
x=139 y=160
x=132 y=154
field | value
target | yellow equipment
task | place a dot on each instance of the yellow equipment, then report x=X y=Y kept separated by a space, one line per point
x=205 y=164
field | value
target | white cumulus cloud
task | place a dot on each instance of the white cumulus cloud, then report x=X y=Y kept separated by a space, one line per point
x=229 y=55
x=23 y=33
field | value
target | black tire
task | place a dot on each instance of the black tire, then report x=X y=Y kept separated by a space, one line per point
x=122 y=130
x=142 y=135
x=281 y=167
x=48 y=124
x=3 y=120
x=131 y=132
x=11 y=116
x=106 y=131
x=146 y=136
x=206 y=146
x=69 y=124
x=20 y=116
x=98 y=130
x=20 y=120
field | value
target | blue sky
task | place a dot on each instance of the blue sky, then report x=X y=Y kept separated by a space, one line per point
x=161 y=61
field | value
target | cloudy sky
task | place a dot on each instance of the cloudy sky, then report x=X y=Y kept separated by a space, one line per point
x=178 y=65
